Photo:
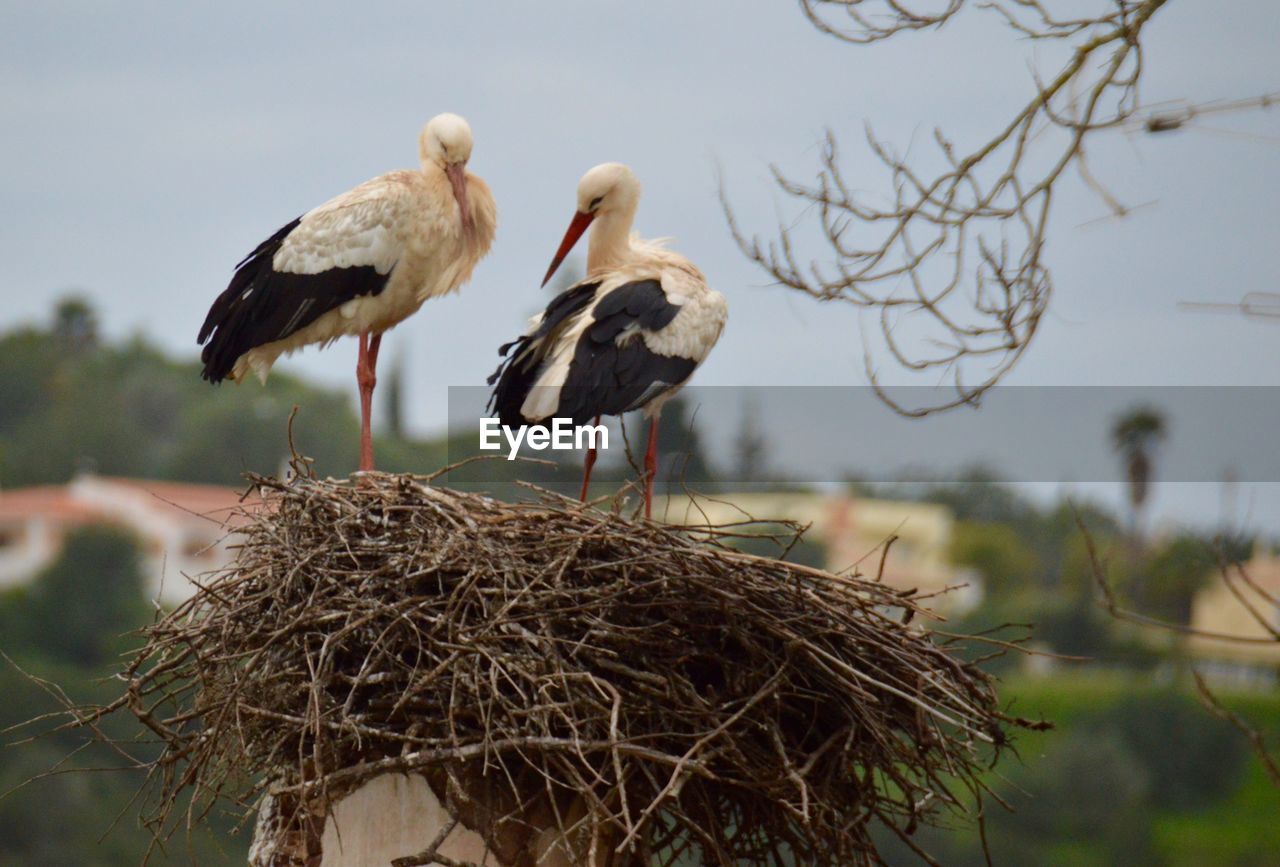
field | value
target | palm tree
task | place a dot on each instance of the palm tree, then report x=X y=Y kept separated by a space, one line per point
x=1135 y=436
x=75 y=324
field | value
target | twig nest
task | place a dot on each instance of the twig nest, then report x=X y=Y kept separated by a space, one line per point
x=545 y=664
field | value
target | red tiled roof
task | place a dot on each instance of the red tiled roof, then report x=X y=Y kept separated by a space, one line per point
x=50 y=501
x=61 y=503
x=215 y=501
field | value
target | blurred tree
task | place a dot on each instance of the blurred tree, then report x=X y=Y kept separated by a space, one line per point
x=1135 y=436
x=681 y=459
x=81 y=607
x=234 y=430
x=1090 y=787
x=750 y=448
x=397 y=455
x=1239 y=546
x=1063 y=552
x=127 y=409
x=978 y=494
x=117 y=409
x=75 y=325
x=28 y=360
x=81 y=819
x=680 y=447
x=1076 y=578
x=1174 y=574
x=393 y=399
x=1192 y=759
x=1007 y=563
x=1073 y=627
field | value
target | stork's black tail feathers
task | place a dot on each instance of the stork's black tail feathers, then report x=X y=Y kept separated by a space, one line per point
x=612 y=370
x=220 y=354
x=262 y=305
x=524 y=356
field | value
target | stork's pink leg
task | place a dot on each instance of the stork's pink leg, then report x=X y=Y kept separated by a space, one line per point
x=650 y=466
x=367 y=378
x=587 y=465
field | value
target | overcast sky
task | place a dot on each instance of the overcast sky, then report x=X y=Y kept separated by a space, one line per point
x=148 y=146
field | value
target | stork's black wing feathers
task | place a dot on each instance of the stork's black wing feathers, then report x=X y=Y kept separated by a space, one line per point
x=613 y=370
x=524 y=355
x=641 y=304
x=261 y=305
x=242 y=279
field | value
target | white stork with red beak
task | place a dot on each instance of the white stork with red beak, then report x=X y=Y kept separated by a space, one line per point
x=627 y=337
x=357 y=265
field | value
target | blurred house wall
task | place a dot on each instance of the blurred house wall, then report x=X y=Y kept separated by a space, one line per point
x=183 y=528
x=1221 y=609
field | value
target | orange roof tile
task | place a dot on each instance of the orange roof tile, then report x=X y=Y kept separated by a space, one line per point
x=216 y=501
x=49 y=501
x=62 y=503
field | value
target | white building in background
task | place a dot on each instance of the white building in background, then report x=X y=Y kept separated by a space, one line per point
x=184 y=529
x=1243 y=601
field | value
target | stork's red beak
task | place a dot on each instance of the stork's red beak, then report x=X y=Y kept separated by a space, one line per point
x=457 y=174
x=576 y=228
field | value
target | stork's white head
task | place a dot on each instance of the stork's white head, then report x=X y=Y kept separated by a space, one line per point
x=446 y=142
x=609 y=192
x=609 y=187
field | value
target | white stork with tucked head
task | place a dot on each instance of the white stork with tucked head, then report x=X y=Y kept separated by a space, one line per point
x=357 y=265
x=627 y=337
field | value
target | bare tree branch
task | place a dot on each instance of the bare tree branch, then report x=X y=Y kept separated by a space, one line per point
x=1256 y=740
x=953 y=265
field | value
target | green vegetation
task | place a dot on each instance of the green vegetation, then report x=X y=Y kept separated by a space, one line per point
x=1135 y=773
x=1036 y=567
x=82 y=605
x=69 y=401
x=69 y=628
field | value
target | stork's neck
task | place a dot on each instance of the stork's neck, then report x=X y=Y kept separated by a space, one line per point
x=431 y=168
x=610 y=243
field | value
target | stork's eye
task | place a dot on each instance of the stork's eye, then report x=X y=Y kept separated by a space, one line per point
x=595 y=203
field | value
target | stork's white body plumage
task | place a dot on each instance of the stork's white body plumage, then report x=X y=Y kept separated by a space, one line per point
x=404 y=225
x=357 y=265
x=690 y=335
x=627 y=337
